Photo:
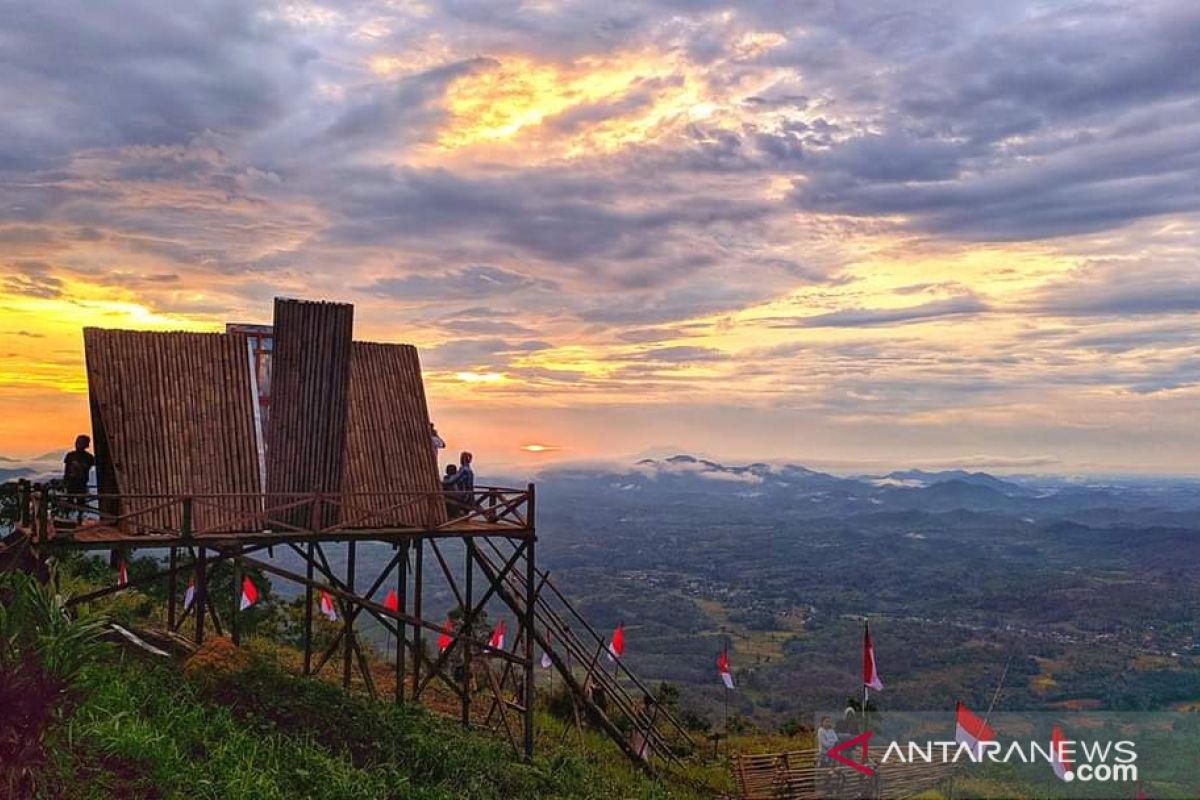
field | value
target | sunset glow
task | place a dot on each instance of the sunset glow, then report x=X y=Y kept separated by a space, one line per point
x=850 y=237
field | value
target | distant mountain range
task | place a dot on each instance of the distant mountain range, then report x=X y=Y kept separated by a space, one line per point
x=809 y=492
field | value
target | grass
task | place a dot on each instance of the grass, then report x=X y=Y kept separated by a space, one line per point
x=146 y=731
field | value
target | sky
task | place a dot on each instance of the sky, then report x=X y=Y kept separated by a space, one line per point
x=847 y=234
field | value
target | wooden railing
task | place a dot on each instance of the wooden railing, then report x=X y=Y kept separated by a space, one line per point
x=46 y=514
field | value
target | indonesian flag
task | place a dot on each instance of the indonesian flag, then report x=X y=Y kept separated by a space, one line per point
x=122 y=573
x=496 y=640
x=249 y=594
x=326 y=605
x=616 y=647
x=546 y=662
x=723 y=668
x=870 y=673
x=189 y=595
x=1058 y=756
x=445 y=638
x=391 y=602
x=971 y=730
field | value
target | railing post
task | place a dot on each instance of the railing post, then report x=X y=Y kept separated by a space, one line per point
x=314 y=521
x=185 y=525
x=42 y=511
x=23 y=500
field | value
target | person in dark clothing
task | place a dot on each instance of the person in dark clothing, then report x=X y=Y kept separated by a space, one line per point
x=77 y=472
x=453 y=507
x=462 y=484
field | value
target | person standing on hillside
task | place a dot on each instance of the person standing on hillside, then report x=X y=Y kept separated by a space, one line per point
x=77 y=472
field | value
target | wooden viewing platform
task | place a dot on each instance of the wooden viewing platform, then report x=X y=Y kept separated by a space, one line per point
x=216 y=447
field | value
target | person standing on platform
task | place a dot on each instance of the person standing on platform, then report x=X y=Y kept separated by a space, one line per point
x=77 y=472
x=438 y=442
x=463 y=482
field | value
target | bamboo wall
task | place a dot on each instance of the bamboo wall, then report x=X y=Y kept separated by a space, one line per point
x=388 y=444
x=172 y=414
x=310 y=375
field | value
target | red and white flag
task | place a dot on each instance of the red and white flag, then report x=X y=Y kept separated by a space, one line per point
x=391 y=602
x=122 y=573
x=326 y=605
x=249 y=594
x=189 y=594
x=723 y=668
x=1059 y=758
x=971 y=730
x=616 y=647
x=444 y=639
x=496 y=640
x=870 y=673
x=546 y=662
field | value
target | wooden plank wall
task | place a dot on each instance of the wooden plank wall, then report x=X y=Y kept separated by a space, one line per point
x=310 y=373
x=388 y=445
x=172 y=414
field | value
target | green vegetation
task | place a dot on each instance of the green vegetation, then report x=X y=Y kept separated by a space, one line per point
x=97 y=723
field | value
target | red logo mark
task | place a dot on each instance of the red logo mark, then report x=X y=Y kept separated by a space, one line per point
x=835 y=753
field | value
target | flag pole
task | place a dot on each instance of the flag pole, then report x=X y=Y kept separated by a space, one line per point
x=726 y=701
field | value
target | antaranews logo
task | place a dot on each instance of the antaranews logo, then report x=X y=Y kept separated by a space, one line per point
x=1087 y=760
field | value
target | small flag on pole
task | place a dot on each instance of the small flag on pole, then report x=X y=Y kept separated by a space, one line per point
x=249 y=594
x=723 y=668
x=445 y=637
x=189 y=595
x=870 y=673
x=1059 y=759
x=122 y=573
x=496 y=640
x=326 y=604
x=616 y=647
x=546 y=662
x=971 y=730
x=391 y=602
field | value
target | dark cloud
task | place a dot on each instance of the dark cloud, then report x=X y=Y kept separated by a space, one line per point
x=141 y=72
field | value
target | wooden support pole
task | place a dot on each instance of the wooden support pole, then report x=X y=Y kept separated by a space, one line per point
x=417 y=649
x=348 y=652
x=235 y=610
x=469 y=632
x=172 y=565
x=308 y=604
x=530 y=602
x=401 y=626
x=201 y=600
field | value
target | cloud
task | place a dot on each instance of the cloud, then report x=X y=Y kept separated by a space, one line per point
x=33 y=279
x=469 y=283
x=867 y=317
x=1123 y=288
